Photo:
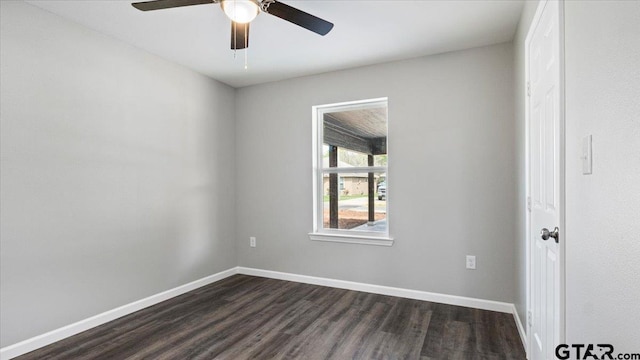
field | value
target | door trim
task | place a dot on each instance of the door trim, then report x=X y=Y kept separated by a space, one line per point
x=562 y=161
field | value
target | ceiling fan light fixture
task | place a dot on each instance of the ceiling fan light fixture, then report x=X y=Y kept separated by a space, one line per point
x=240 y=11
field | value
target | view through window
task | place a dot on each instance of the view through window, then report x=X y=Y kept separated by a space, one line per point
x=351 y=168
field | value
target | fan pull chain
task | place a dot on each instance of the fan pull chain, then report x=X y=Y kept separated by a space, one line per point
x=235 y=38
x=246 y=46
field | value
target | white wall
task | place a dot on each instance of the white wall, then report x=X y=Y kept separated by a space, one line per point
x=116 y=174
x=602 y=44
x=520 y=255
x=602 y=47
x=450 y=134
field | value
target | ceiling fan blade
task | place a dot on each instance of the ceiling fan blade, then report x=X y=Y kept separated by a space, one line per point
x=298 y=17
x=167 y=4
x=239 y=36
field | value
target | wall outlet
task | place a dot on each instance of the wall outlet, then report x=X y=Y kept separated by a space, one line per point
x=587 y=156
x=471 y=262
x=252 y=241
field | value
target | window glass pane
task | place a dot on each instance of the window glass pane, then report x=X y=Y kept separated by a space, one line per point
x=356 y=137
x=380 y=160
x=351 y=203
x=346 y=158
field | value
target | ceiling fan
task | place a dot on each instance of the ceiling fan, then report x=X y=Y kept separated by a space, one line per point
x=242 y=12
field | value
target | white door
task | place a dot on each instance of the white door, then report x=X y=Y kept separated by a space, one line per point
x=544 y=139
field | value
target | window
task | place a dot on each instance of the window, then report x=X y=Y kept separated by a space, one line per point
x=350 y=172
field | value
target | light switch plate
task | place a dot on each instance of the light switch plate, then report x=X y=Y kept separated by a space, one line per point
x=587 y=155
x=471 y=262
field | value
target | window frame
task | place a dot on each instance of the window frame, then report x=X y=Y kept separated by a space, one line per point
x=320 y=233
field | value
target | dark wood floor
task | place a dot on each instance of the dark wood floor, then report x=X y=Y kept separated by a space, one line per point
x=245 y=317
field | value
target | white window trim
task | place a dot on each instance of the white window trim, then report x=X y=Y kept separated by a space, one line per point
x=335 y=235
x=352 y=239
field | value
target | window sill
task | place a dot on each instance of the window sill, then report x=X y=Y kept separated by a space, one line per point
x=352 y=239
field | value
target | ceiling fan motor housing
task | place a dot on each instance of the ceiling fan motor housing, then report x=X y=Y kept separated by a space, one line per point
x=242 y=12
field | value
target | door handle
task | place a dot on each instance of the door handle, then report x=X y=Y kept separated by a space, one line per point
x=545 y=234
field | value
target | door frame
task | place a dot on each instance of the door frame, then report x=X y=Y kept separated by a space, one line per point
x=561 y=321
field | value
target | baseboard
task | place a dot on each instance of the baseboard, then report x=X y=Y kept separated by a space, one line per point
x=384 y=290
x=37 y=342
x=521 y=328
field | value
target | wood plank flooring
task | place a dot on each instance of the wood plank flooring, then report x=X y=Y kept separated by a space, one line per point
x=246 y=317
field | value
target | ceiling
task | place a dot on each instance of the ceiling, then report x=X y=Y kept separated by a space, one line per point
x=366 y=32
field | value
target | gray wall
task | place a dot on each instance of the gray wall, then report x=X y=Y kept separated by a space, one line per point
x=450 y=133
x=520 y=255
x=603 y=209
x=116 y=174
